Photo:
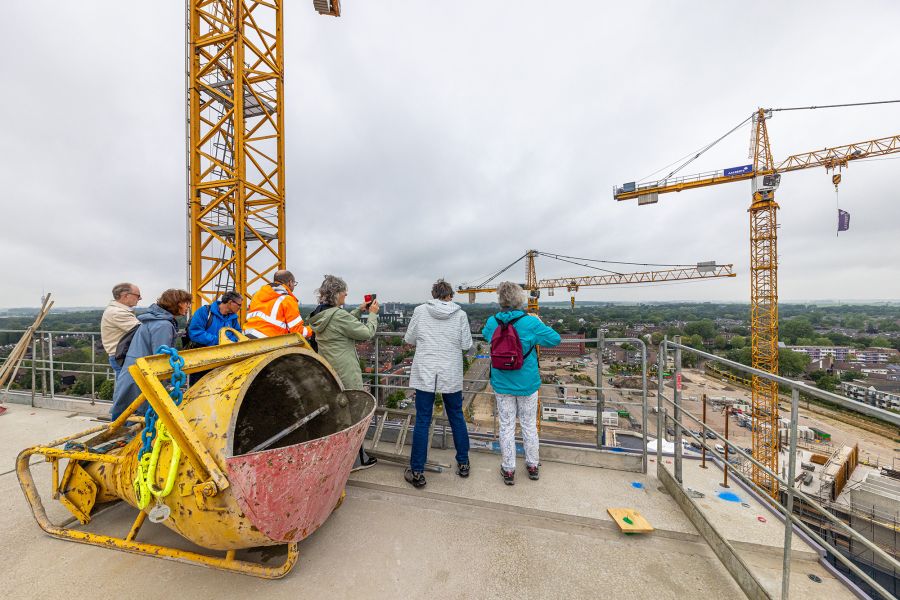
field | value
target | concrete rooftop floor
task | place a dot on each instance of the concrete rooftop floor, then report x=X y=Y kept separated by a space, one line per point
x=474 y=538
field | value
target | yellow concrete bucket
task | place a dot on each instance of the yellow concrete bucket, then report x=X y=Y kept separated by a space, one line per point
x=257 y=454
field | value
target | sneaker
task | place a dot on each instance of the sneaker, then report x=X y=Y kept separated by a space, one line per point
x=414 y=478
x=462 y=469
x=509 y=477
x=359 y=465
x=533 y=472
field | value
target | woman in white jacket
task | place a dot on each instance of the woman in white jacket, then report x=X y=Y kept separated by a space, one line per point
x=440 y=331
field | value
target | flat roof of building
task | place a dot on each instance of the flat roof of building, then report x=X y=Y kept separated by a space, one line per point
x=459 y=538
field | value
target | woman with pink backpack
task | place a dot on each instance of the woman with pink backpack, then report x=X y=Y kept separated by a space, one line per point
x=514 y=336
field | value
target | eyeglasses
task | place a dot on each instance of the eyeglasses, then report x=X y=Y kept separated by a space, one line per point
x=138 y=295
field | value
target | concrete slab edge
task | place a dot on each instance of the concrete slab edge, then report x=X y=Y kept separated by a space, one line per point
x=520 y=510
x=717 y=542
x=69 y=404
x=821 y=551
x=585 y=457
x=807 y=555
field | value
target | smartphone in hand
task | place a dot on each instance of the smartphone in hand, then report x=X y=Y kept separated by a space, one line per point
x=369 y=298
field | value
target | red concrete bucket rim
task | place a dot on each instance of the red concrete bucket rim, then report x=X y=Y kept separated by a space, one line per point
x=288 y=492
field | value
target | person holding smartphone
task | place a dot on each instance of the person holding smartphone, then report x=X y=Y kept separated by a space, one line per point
x=337 y=332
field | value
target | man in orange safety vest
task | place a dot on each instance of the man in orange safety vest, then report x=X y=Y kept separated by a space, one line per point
x=274 y=310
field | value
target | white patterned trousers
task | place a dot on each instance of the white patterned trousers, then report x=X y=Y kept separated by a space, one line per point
x=525 y=407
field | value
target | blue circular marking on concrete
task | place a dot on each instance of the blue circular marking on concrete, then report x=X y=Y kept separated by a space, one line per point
x=729 y=497
x=637 y=485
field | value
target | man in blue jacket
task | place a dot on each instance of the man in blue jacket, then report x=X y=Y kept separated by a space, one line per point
x=517 y=390
x=205 y=324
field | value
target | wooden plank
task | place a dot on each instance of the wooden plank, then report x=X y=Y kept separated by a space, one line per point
x=622 y=516
x=11 y=366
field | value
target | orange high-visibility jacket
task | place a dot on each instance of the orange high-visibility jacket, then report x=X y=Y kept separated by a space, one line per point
x=274 y=310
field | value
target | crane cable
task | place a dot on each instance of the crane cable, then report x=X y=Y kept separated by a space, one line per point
x=557 y=257
x=739 y=125
x=495 y=275
x=615 y=262
x=708 y=146
x=835 y=105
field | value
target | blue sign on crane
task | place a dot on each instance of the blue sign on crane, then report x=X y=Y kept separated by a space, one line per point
x=742 y=170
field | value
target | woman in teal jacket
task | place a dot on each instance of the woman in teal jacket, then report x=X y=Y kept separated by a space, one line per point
x=517 y=391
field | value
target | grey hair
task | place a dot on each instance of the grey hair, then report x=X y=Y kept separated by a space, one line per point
x=441 y=289
x=331 y=286
x=120 y=289
x=511 y=296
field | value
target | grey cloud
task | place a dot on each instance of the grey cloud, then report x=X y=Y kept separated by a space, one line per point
x=449 y=138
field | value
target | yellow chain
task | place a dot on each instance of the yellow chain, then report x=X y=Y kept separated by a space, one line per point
x=145 y=477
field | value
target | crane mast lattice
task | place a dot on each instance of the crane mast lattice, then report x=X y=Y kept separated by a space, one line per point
x=235 y=148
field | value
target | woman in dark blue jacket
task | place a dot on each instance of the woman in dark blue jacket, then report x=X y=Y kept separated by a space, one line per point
x=157 y=329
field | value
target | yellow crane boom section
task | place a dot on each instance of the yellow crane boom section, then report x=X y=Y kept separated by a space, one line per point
x=573 y=283
x=830 y=158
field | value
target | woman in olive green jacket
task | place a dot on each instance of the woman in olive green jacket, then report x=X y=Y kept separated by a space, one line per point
x=337 y=332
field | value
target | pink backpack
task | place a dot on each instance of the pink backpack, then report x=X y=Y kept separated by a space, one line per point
x=506 y=347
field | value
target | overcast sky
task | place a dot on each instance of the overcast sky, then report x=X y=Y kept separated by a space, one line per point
x=430 y=139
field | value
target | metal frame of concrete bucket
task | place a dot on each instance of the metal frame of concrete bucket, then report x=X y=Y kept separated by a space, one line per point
x=225 y=497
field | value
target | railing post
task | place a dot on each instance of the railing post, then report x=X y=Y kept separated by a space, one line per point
x=725 y=470
x=677 y=420
x=43 y=366
x=33 y=368
x=703 y=443
x=600 y=398
x=789 y=504
x=660 y=388
x=644 y=404
x=375 y=387
x=50 y=355
x=93 y=360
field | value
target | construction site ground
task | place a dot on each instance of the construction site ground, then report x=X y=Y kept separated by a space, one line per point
x=875 y=448
x=872 y=446
x=473 y=538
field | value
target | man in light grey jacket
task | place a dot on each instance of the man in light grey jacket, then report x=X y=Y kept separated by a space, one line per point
x=440 y=331
x=118 y=319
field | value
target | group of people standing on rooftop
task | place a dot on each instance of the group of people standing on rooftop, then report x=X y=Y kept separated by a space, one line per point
x=439 y=329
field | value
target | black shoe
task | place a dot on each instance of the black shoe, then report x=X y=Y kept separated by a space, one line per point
x=370 y=461
x=509 y=477
x=415 y=478
x=533 y=472
x=462 y=469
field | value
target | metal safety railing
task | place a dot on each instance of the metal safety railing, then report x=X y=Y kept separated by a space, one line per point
x=476 y=386
x=46 y=361
x=787 y=484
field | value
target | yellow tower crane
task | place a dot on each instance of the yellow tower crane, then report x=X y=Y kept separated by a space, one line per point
x=235 y=148
x=533 y=285
x=765 y=175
